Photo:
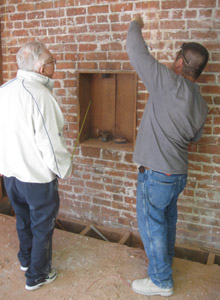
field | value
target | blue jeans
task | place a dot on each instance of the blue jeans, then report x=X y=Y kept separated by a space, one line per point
x=36 y=206
x=157 y=196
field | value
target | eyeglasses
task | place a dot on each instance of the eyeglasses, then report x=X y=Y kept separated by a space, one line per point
x=182 y=50
x=51 y=62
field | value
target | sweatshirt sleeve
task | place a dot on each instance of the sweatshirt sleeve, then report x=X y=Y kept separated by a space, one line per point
x=48 y=124
x=153 y=74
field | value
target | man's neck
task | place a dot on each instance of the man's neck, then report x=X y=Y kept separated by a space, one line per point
x=188 y=77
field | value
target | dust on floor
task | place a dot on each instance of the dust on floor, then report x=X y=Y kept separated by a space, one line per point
x=91 y=269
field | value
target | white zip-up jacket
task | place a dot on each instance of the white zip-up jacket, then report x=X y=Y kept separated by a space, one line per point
x=31 y=130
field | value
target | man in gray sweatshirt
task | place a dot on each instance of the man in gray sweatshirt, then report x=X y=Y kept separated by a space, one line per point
x=174 y=116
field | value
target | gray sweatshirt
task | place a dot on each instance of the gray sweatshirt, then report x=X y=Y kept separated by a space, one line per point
x=174 y=115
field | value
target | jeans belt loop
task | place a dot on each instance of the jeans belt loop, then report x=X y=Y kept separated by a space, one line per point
x=141 y=169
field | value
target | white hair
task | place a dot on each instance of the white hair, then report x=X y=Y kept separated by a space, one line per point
x=30 y=56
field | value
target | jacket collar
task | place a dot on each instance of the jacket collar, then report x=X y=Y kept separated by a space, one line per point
x=28 y=75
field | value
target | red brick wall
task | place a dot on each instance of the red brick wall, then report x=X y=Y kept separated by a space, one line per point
x=90 y=35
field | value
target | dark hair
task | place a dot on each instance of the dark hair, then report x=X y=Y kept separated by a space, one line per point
x=195 y=57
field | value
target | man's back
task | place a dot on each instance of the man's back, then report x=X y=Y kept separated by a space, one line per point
x=175 y=112
x=31 y=121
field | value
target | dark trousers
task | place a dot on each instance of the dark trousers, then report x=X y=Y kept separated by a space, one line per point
x=36 y=206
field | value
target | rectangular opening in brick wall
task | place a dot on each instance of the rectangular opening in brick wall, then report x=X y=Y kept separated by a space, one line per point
x=111 y=119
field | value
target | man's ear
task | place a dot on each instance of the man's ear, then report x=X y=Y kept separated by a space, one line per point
x=41 y=71
x=179 y=65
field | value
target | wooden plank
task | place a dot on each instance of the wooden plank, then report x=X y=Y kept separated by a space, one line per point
x=126 y=106
x=103 y=104
x=97 y=143
x=86 y=231
x=211 y=259
x=126 y=239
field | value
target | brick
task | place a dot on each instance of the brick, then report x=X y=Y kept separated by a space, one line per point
x=199 y=24
x=25 y=7
x=213 y=149
x=115 y=173
x=202 y=3
x=69 y=83
x=195 y=167
x=18 y=16
x=94 y=185
x=101 y=202
x=112 y=46
x=35 y=15
x=102 y=9
x=148 y=5
x=190 y=14
x=96 y=56
x=177 y=35
x=87 y=66
x=65 y=65
x=126 y=66
x=107 y=180
x=213 y=67
x=19 y=33
x=31 y=24
x=43 y=6
x=217 y=13
x=172 y=25
x=58 y=13
x=90 y=152
x=121 y=7
x=102 y=19
x=83 y=2
x=119 y=27
x=114 y=18
x=50 y=23
x=110 y=66
x=63 y=3
x=109 y=212
x=207 y=78
x=209 y=35
x=91 y=19
x=99 y=28
x=128 y=167
x=118 y=198
x=211 y=169
x=75 y=11
x=80 y=20
x=87 y=47
x=78 y=29
x=7 y=9
x=207 y=13
x=111 y=155
x=211 y=89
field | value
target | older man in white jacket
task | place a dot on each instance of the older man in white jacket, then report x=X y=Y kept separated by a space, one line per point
x=32 y=155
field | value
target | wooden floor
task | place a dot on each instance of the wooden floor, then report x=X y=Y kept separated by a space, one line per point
x=91 y=269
